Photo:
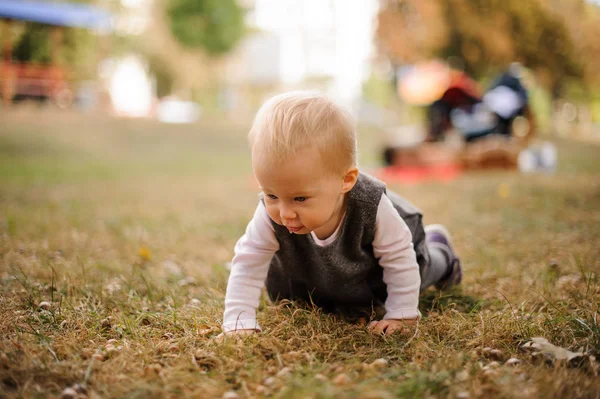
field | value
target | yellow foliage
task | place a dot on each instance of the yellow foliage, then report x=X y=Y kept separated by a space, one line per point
x=144 y=254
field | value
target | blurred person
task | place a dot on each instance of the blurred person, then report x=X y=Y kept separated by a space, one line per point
x=507 y=98
x=324 y=232
x=494 y=113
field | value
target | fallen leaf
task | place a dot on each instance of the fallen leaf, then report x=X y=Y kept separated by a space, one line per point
x=542 y=345
x=379 y=363
x=194 y=303
x=270 y=381
x=261 y=390
x=513 y=361
x=186 y=281
x=80 y=389
x=462 y=375
x=68 y=393
x=341 y=379
x=152 y=369
x=206 y=360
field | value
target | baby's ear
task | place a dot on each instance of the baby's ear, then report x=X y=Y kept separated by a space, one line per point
x=349 y=179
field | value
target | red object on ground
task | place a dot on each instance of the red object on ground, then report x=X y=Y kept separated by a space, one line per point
x=418 y=174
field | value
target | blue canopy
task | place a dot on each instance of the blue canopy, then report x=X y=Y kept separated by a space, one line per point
x=56 y=13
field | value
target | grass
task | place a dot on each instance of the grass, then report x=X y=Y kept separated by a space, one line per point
x=122 y=228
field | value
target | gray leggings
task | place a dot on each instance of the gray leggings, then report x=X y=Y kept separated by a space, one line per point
x=435 y=265
x=439 y=263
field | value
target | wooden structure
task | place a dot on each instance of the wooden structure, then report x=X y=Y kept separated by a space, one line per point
x=28 y=80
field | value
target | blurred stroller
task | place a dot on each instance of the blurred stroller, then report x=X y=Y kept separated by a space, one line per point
x=503 y=109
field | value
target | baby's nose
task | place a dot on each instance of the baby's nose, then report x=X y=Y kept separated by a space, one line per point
x=287 y=213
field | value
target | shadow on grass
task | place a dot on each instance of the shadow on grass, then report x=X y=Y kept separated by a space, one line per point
x=439 y=301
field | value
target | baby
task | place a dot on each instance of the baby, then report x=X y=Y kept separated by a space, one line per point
x=326 y=233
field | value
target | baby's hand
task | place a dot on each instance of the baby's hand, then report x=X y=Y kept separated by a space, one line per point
x=234 y=334
x=391 y=326
x=241 y=332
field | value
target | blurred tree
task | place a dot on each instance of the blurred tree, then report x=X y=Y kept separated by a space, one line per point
x=33 y=44
x=411 y=31
x=213 y=25
x=179 y=70
x=582 y=18
x=163 y=74
x=486 y=34
x=77 y=50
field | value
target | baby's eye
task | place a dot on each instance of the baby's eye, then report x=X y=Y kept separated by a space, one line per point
x=271 y=196
x=300 y=199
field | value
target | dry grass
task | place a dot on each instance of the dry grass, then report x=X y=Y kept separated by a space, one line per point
x=123 y=228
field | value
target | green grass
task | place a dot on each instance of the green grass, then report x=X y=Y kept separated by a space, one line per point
x=123 y=227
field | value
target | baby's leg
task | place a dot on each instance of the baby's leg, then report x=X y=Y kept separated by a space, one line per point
x=443 y=269
x=436 y=269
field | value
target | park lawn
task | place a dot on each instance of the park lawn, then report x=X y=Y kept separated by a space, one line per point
x=113 y=240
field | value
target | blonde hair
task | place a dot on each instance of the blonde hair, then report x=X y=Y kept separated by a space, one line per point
x=298 y=120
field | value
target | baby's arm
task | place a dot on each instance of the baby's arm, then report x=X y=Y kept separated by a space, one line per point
x=393 y=247
x=249 y=267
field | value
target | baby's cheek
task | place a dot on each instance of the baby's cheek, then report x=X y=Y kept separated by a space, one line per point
x=315 y=217
x=273 y=213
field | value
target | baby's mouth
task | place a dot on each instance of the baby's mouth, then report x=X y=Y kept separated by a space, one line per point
x=293 y=229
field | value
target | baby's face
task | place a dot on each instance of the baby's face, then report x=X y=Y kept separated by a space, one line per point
x=302 y=194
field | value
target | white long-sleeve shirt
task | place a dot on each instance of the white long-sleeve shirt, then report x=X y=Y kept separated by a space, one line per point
x=392 y=245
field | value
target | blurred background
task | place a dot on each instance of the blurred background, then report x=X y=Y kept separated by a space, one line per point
x=438 y=86
x=183 y=60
